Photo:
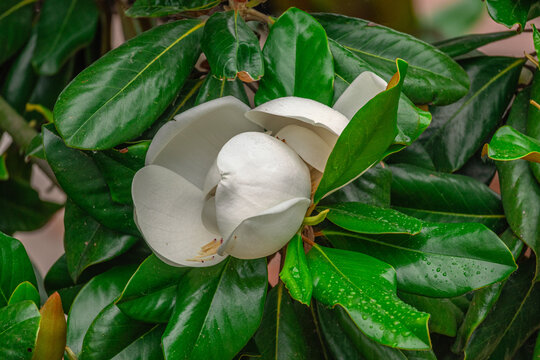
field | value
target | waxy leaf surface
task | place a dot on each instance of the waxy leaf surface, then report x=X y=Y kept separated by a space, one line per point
x=19 y=325
x=15 y=25
x=508 y=144
x=511 y=12
x=295 y=272
x=168 y=7
x=25 y=291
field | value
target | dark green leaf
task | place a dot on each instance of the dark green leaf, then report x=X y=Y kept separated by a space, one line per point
x=214 y=88
x=168 y=7
x=365 y=139
x=231 y=47
x=4 y=174
x=123 y=93
x=295 y=272
x=297 y=60
x=533 y=117
x=48 y=88
x=19 y=325
x=15 y=25
x=479 y=168
x=287 y=329
x=465 y=44
x=427 y=265
x=458 y=130
x=508 y=144
x=414 y=154
x=59 y=280
x=452 y=19
x=64 y=27
x=84 y=183
x=25 y=291
x=150 y=294
x=433 y=76
x=511 y=12
x=217 y=310
x=369 y=219
x=440 y=197
x=366 y=288
x=35 y=148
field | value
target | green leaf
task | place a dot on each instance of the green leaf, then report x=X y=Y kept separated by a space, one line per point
x=434 y=78
x=118 y=168
x=295 y=272
x=459 y=130
x=440 y=197
x=15 y=267
x=231 y=47
x=48 y=88
x=366 y=288
x=533 y=116
x=123 y=93
x=452 y=19
x=337 y=341
x=368 y=219
x=508 y=144
x=426 y=265
x=25 y=291
x=511 y=12
x=287 y=329
x=150 y=294
x=365 y=139
x=87 y=242
x=214 y=88
x=217 y=310
x=64 y=27
x=15 y=25
x=4 y=174
x=297 y=60
x=114 y=335
x=91 y=300
x=59 y=280
x=84 y=183
x=156 y=8
x=19 y=325
x=35 y=148
x=465 y=44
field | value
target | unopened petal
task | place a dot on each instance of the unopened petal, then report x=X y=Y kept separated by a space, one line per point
x=168 y=212
x=360 y=91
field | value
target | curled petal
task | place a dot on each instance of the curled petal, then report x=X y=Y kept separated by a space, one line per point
x=360 y=91
x=266 y=233
x=168 y=212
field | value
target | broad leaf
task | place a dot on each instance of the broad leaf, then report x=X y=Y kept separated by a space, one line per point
x=122 y=94
x=25 y=291
x=231 y=47
x=440 y=197
x=287 y=329
x=427 y=265
x=295 y=272
x=150 y=294
x=338 y=343
x=465 y=44
x=214 y=88
x=511 y=12
x=59 y=280
x=48 y=88
x=51 y=340
x=15 y=25
x=508 y=144
x=457 y=131
x=365 y=139
x=19 y=324
x=64 y=27
x=168 y=7
x=366 y=288
x=4 y=174
x=217 y=310
x=434 y=78
x=533 y=117
x=297 y=60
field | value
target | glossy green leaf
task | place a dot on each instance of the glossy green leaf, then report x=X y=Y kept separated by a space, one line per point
x=15 y=267
x=4 y=174
x=511 y=12
x=295 y=272
x=427 y=265
x=64 y=27
x=150 y=294
x=168 y=7
x=84 y=183
x=508 y=144
x=48 y=88
x=533 y=116
x=217 y=310
x=15 y=25
x=97 y=294
x=59 y=280
x=231 y=47
x=479 y=168
x=25 y=291
x=465 y=44
x=35 y=148
x=457 y=131
x=440 y=197
x=452 y=19
x=287 y=329
x=366 y=288
x=19 y=324
x=434 y=78
x=123 y=93
x=365 y=139
x=87 y=242
x=297 y=60
x=368 y=219
x=114 y=335
x=214 y=88
x=118 y=168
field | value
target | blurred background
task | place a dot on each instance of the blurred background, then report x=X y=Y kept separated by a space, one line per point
x=430 y=20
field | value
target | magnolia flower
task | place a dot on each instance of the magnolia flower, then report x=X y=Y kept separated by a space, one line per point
x=226 y=180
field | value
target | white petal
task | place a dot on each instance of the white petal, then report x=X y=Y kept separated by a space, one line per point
x=276 y=114
x=266 y=233
x=190 y=144
x=168 y=213
x=311 y=148
x=258 y=172
x=360 y=91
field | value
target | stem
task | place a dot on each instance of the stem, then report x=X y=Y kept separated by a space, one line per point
x=70 y=354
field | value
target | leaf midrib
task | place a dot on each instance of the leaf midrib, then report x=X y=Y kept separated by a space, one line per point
x=15 y=8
